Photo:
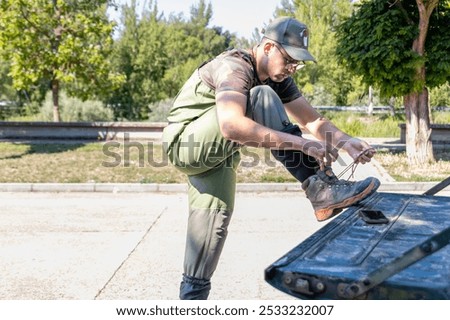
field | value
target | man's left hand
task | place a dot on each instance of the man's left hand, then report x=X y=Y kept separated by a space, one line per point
x=359 y=150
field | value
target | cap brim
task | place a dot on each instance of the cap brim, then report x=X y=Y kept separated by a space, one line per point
x=298 y=53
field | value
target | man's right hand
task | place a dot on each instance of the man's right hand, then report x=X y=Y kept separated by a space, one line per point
x=323 y=153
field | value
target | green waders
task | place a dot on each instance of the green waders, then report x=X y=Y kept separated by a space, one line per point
x=196 y=147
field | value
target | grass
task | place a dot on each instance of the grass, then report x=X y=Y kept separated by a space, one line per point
x=378 y=125
x=114 y=162
x=362 y=125
x=397 y=166
x=145 y=162
x=93 y=162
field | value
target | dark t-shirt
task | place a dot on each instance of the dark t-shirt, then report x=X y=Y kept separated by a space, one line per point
x=234 y=70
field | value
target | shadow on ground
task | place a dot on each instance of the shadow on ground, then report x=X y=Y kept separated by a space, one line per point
x=41 y=147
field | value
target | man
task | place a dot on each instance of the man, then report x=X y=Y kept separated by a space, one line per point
x=242 y=98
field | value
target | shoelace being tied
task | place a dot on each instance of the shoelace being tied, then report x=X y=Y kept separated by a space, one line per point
x=352 y=166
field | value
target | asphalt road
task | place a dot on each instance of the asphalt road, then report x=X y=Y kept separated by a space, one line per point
x=131 y=245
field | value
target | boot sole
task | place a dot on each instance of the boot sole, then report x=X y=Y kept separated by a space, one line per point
x=331 y=211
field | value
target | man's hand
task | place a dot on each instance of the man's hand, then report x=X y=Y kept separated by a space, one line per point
x=324 y=154
x=359 y=150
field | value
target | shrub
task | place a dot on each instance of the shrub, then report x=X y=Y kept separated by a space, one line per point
x=160 y=110
x=74 y=109
x=362 y=125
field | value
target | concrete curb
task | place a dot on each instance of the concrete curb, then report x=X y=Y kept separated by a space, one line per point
x=180 y=188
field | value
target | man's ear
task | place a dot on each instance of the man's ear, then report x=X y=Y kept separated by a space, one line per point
x=267 y=47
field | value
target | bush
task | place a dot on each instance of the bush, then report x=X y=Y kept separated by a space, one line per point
x=7 y=109
x=376 y=126
x=362 y=125
x=440 y=117
x=160 y=110
x=73 y=109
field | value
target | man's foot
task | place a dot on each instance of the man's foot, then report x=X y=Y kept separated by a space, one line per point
x=329 y=195
x=194 y=289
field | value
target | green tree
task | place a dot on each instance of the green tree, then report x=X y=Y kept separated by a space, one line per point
x=7 y=92
x=157 y=55
x=23 y=102
x=402 y=47
x=440 y=96
x=61 y=42
x=191 y=42
x=140 y=56
x=327 y=82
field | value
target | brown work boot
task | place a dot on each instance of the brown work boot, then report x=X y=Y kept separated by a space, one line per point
x=329 y=195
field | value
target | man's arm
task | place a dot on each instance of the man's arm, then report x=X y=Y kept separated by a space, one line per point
x=235 y=126
x=326 y=131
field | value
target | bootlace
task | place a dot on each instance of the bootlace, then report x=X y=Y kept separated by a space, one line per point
x=352 y=166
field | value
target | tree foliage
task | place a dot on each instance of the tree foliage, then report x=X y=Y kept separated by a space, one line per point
x=69 y=44
x=7 y=92
x=376 y=43
x=326 y=82
x=139 y=55
x=191 y=42
x=60 y=42
x=158 y=54
x=402 y=47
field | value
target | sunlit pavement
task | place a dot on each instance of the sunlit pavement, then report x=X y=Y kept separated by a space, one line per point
x=85 y=241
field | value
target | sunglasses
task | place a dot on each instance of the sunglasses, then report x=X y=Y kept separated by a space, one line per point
x=290 y=64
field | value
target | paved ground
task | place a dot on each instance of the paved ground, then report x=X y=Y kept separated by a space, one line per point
x=130 y=246
x=128 y=243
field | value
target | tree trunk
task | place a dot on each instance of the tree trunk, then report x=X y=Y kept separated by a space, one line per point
x=419 y=147
x=55 y=96
x=392 y=106
x=55 y=82
x=370 y=107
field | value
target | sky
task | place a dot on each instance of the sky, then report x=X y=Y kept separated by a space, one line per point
x=237 y=16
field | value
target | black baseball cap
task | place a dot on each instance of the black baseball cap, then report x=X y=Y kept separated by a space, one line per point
x=292 y=35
